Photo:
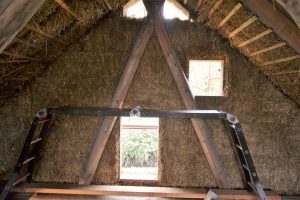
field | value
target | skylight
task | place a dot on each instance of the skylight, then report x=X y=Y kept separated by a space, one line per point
x=172 y=9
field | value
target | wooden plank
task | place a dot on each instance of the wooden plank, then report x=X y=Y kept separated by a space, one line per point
x=45 y=34
x=214 y=8
x=160 y=192
x=266 y=32
x=64 y=6
x=284 y=73
x=242 y=26
x=280 y=60
x=180 y=79
x=276 y=46
x=14 y=15
x=229 y=15
x=198 y=5
x=15 y=55
x=108 y=5
x=273 y=18
x=117 y=100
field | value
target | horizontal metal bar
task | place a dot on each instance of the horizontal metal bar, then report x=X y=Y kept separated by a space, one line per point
x=94 y=111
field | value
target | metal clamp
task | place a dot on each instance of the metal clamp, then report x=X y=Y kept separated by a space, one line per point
x=136 y=112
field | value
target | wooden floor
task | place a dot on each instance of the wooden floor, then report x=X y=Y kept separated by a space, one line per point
x=70 y=191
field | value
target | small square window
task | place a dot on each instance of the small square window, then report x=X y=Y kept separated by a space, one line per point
x=206 y=77
x=139 y=148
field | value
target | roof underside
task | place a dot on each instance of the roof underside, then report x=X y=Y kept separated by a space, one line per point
x=58 y=24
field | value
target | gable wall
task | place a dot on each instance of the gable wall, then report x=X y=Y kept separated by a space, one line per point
x=88 y=73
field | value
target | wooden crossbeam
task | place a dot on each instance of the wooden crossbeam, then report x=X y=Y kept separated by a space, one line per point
x=14 y=15
x=13 y=72
x=141 y=191
x=229 y=15
x=276 y=20
x=45 y=34
x=15 y=55
x=242 y=26
x=65 y=7
x=180 y=79
x=264 y=33
x=117 y=100
x=214 y=8
x=276 y=46
x=284 y=73
x=280 y=60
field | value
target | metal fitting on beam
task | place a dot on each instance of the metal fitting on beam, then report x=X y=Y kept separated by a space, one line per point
x=232 y=119
x=136 y=112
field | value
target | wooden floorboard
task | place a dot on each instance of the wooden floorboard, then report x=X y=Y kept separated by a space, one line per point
x=70 y=191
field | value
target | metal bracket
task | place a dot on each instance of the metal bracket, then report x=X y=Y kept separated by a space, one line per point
x=211 y=195
x=136 y=112
x=232 y=119
x=42 y=114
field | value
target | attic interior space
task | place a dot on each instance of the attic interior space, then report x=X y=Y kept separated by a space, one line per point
x=150 y=99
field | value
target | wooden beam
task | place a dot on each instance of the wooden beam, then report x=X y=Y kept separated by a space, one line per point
x=229 y=15
x=280 y=60
x=198 y=5
x=15 y=55
x=180 y=79
x=276 y=20
x=284 y=73
x=45 y=34
x=108 y=5
x=276 y=46
x=214 y=8
x=242 y=26
x=266 y=32
x=159 y=192
x=13 y=72
x=64 y=6
x=14 y=15
x=117 y=100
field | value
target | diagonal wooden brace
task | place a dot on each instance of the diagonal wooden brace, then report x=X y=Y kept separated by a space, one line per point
x=199 y=125
x=117 y=100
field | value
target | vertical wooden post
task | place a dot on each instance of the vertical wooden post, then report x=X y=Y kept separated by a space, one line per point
x=117 y=100
x=199 y=125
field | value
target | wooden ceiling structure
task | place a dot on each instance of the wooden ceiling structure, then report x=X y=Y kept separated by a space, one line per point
x=272 y=45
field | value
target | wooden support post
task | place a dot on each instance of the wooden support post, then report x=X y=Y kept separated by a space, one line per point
x=275 y=19
x=229 y=15
x=45 y=34
x=89 y=170
x=64 y=6
x=200 y=126
x=242 y=26
x=276 y=46
x=280 y=60
x=266 y=32
x=14 y=15
x=214 y=8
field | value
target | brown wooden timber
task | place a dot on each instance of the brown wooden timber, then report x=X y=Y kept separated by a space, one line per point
x=45 y=34
x=280 y=60
x=276 y=46
x=276 y=20
x=14 y=15
x=198 y=5
x=230 y=14
x=264 y=33
x=214 y=8
x=160 y=192
x=14 y=61
x=200 y=126
x=64 y=6
x=117 y=100
x=242 y=26
x=108 y=5
x=15 y=55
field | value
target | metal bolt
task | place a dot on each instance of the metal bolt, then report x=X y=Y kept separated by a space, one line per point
x=254 y=174
x=246 y=151
x=99 y=113
x=232 y=119
x=75 y=112
x=41 y=113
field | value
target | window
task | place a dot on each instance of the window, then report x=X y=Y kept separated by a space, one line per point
x=172 y=9
x=139 y=148
x=206 y=77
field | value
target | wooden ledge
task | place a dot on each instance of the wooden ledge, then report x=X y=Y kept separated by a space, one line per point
x=114 y=190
